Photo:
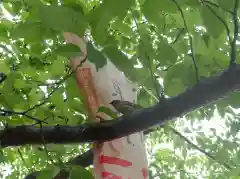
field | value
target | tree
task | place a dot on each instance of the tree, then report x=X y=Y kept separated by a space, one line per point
x=183 y=54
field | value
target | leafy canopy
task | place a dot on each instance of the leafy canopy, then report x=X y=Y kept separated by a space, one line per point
x=158 y=44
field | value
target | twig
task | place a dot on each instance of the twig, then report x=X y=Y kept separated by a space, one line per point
x=23 y=160
x=42 y=121
x=3 y=77
x=45 y=146
x=176 y=39
x=235 y=22
x=216 y=5
x=189 y=142
x=222 y=21
x=178 y=35
x=58 y=84
x=190 y=41
x=45 y=100
x=6 y=49
x=10 y=113
x=154 y=81
x=40 y=83
x=167 y=68
x=149 y=64
x=198 y=148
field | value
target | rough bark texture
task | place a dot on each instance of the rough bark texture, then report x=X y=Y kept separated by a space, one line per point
x=206 y=92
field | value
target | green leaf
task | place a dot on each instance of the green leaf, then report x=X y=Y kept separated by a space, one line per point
x=200 y=46
x=99 y=32
x=37 y=49
x=3 y=67
x=107 y=111
x=58 y=67
x=235 y=128
x=63 y=19
x=110 y=9
x=173 y=83
x=68 y=50
x=145 y=50
x=123 y=28
x=78 y=172
x=75 y=120
x=105 y=12
x=2 y=157
x=72 y=89
x=30 y=31
x=211 y=21
x=153 y=14
x=13 y=8
x=163 y=5
x=234 y=172
x=35 y=95
x=200 y=141
x=163 y=153
x=193 y=3
x=76 y=5
x=222 y=155
x=229 y=4
x=181 y=47
x=48 y=173
x=233 y=99
x=119 y=59
x=19 y=83
x=95 y=56
x=166 y=53
x=57 y=98
x=143 y=98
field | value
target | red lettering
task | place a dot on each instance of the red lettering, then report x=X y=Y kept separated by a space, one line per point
x=109 y=175
x=114 y=160
x=145 y=173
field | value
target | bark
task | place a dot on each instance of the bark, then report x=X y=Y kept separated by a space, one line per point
x=205 y=92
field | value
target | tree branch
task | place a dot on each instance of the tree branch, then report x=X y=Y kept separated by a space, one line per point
x=235 y=22
x=199 y=149
x=190 y=41
x=204 y=93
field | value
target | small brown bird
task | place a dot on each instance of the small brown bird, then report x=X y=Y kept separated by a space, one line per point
x=125 y=107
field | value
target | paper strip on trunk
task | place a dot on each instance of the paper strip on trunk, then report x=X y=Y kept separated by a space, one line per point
x=123 y=158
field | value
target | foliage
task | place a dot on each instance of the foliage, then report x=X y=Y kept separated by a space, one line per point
x=153 y=44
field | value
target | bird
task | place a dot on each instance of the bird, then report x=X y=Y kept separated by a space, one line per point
x=125 y=107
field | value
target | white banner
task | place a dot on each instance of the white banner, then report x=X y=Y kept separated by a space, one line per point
x=123 y=158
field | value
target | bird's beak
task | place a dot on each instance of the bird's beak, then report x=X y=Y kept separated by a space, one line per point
x=114 y=101
x=111 y=102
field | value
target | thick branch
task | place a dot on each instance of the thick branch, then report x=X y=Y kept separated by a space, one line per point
x=206 y=92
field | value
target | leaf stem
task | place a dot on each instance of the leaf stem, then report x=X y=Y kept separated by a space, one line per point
x=233 y=45
x=190 y=41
